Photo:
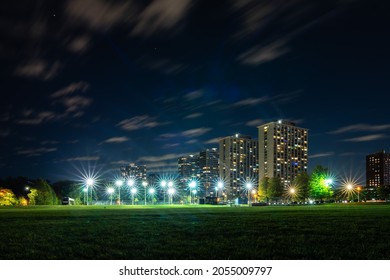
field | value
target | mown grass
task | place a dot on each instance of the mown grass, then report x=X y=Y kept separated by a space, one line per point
x=198 y=232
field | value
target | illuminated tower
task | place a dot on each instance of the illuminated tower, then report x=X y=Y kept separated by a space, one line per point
x=378 y=169
x=238 y=158
x=283 y=150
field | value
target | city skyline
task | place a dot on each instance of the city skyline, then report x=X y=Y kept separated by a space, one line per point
x=100 y=84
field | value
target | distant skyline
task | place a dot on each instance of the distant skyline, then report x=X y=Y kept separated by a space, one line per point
x=106 y=83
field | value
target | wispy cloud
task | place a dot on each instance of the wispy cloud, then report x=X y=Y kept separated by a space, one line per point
x=38 y=118
x=213 y=140
x=193 y=116
x=251 y=101
x=196 y=132
x=366 y=138
x=261 y=54
x=79 y=86
x=35 y=151
x=319 y=155
x=116 y=140
x=39 y=69
x=159 y=158
x=255 y=122
x=138 y=122
x=361 y=127
x=193 y=95
x=160 y=15
x=79 y=44
x=98 y=14
x=86 y=158
x=119 y=162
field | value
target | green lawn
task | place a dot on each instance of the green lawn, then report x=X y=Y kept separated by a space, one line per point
x=198 y=232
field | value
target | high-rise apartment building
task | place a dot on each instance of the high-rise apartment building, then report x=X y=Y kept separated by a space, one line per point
x=283 y=150
x=188 y=168
x=209 y=170
x=238 y=156
x=378 y=169
x=134 y=171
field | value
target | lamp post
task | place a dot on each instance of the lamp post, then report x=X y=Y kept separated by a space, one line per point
x=192 y=185
x=349 y=189
x=151 y=192
x=119 y=184
x=133 y=192
x=219 y=186
x=194 y=192
x=144 y=184
x=164 y=185
x=358 y=190
x=110 y=192
x=89 y=183
x=85 y=190
x=249 y=187
x=170 y=192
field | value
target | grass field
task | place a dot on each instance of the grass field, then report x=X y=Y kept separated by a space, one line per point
x=197 y=232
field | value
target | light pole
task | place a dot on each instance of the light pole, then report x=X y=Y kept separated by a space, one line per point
x=249 y=187
x=151 y=192
x=194 y=192
x=110 y=192
x=89 y=184
x=192 y=185
x=349 y=189
x=85 y=190
x=144 y=184
x=119 y=184
x=171 y=192
x=170 y=187
x=219 y=186
x=133 y=192
x=358 y=190
x=164 y=185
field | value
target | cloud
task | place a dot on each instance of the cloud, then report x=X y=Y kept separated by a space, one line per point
x=193 y=95
x=192 y=141
x=4 y=133
x=75 y=104
x=194 y=116
x=366 y=138
x=116 y=140
x=322 y=155
x=195 y=132
x=261 y=54
x=361 y=127
x=79 y=44
x=160 y=15
x=49 y=142
x=87 y=158
x=99 y=14
x=39 y=69
x=79 y=86
x=138 y=122
x=251 y=101
x=255 y=122
x=35 y=151
x=39 y=118
x=213 y=140
x=159 y=158
x=119 y=162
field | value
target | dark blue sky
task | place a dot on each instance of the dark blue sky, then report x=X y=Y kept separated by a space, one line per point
x=102 y=83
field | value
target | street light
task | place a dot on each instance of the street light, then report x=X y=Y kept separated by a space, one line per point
x=194 y=192
x=192 y=185
x=151 y=192
x=119 y=184
x=110 y=191
x=170 y=192
x=85 y=193
x=144 y=184
x=358 y=191
x=249 y=187
x=133 y=192
x=349 y=189
x=163 y=185
x=219 y=186
x=89 y=182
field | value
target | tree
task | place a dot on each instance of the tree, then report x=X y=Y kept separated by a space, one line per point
x=7 y=197
x=32 y=196
x=46 y=195
x=302 y=183
x=384 y=192
x=275 y=188
x=263 y=189
x=319 y=188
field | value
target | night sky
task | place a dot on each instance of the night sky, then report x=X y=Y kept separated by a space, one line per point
x=93 y=84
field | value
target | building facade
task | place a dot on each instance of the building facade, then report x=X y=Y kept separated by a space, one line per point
x=188 y=169
x=238 y=156
x=283 y=150
x=209 y=170
x=138 y=172
x=378 y=170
